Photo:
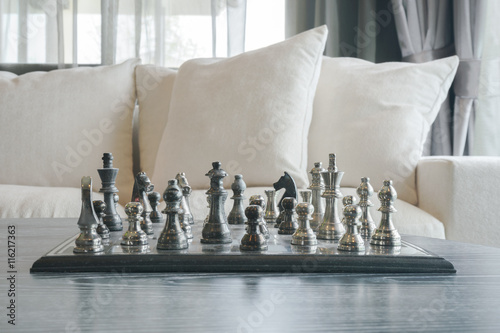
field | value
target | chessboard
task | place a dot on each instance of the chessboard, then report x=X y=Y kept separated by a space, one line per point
x=281 y=257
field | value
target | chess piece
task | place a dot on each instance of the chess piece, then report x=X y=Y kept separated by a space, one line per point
x=253 y=240
x=134 y=236
x=286 y=181
x=347 y=200
x=108 y=178
x=172 y=237
x=304 y=235
x=386 y=234
x=306 y=195
x=289 y=224
x=88 y=241
x=331 y=228
x=365 y=191
x=317 y=188
x=186 y=193
x=351 y=241
x=271 y=212
x=258 y=200
x=142 y=186
x=216 y=229
x=237 y=214
x=154 y=199
x=102 y=229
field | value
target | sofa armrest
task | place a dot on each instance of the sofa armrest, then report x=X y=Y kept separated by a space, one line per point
x=462 y=193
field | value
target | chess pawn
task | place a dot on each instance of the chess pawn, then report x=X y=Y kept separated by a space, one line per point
x=253 y=240
x=271 y=212
x=304 y=235
x=99 y=208
x=259 y=201
x=386 y=234
x=317 y=188
x=237 y=214
x=351 y=241
x=216 y=229
x=331 y=228
x=88 y=241
x=134 y=236
x=108 y=177
x=289 y=224
x=365 y=191
x=306 y=196
x=172 y=237
x=186 y=193
x=154 y=200
x=347 y=200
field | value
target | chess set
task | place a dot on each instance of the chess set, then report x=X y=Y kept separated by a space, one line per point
x=266 y=236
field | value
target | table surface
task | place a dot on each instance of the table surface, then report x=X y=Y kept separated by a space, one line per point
x=114 y=302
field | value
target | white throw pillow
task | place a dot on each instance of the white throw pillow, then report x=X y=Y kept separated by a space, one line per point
x=251 y=112
x=55 y=126
x=376 y=117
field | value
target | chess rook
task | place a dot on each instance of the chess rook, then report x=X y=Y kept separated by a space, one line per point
x=253 y=240
x=317 y=188
x=258 y=200
x=289 y=224
x=351 y=241
x=365 y=191
x=154 y=199
x=99 y=208
x=386 y=234
x=237 y=214
x=216 y=229
x=271 y=213
x=108 y=176
x=186 y=193
x=304 y=235
x=88 y=241
x=172 y=237
x=306 y=195
x=134 y=236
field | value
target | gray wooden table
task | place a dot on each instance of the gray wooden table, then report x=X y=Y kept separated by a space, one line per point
x=468 y=301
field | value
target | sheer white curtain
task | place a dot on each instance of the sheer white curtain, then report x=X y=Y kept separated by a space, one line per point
x=164 y=32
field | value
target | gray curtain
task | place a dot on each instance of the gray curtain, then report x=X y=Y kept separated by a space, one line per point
x=364 y=29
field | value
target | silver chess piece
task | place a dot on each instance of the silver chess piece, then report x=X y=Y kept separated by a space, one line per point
x=317 y=188
x=143 y=186
x=351 y=241
x=134 y=236
x=172 y=237
x=347 y=200
x=258 y=200
x=237 y=214
x=271 y=213
x=289 y=224
x=216 y=229
x=108 y=177
x=99 y=208
x=154 y=199
x=253 y=240
x=88 y=241
x=331 y=228
x=365 y=191
x=186 y=193
x=304 y=235
x=386 y=234
x=306 y=195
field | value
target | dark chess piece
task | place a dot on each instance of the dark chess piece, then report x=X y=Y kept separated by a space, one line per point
x=253 y=240
x=351 y=241
x=317 y=188
x=365 y=191
x=216 y=229
x=289 y=224
x=108 y=178
x=172 y=237
x=99 y=208
x=386 y=234
x=259 y=201
x=154 y=199
x=286 y=181
x=304 y=235
x=134 y=236
x=143 y=186
x=88 y=241
x=186 y=193
x=331 y=228
x=237 y=214
x=271 y=213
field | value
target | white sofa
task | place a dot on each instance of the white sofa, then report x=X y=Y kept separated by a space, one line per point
x=55 y=127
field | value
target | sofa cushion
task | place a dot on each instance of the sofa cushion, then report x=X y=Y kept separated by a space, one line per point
x=251 y=112
x=376 y=117
x=56 y=125
x=18 y=201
